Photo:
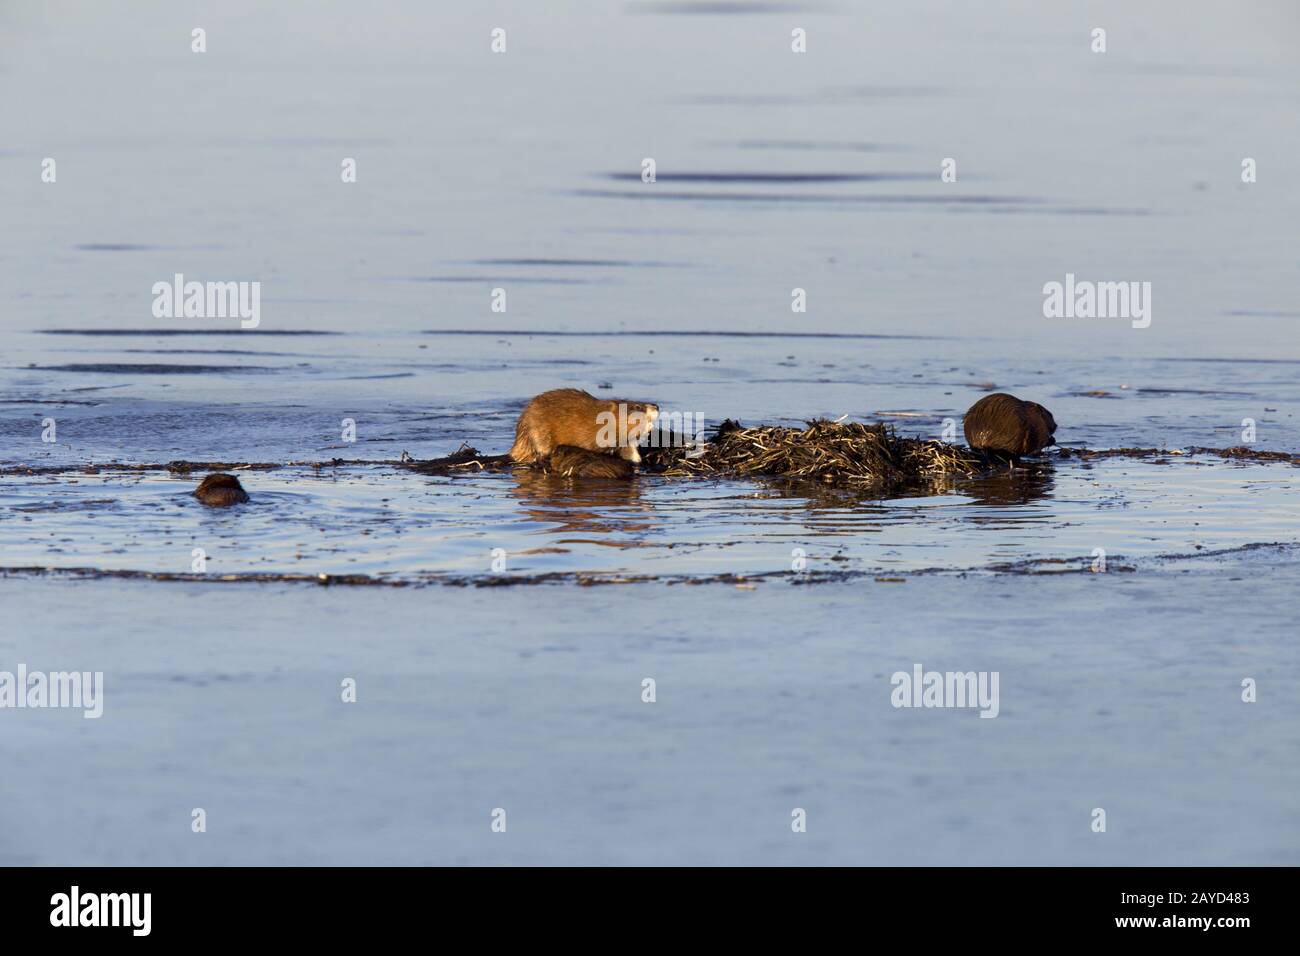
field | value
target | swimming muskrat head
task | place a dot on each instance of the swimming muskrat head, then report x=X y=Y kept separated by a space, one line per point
x=220 y=491
x=1003 y=423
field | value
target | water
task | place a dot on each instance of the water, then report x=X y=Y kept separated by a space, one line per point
x=522 y=171
x=411 y=529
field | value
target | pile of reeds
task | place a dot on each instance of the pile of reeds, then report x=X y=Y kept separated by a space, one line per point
x=464 y=460
x=838 y=454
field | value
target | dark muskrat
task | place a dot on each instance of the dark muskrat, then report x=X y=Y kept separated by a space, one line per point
x=221 y=490
x=1002 y=422
x=570 y=416
x=569 y=462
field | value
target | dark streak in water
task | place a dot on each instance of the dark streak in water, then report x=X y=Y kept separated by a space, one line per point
x=516 y=280
x=1236 y=361
x=681 y=334
x=761 y=177
x=593 y=263
x=131 y=369
x=361 y=378
x=203 y=352
x=49 y=401
x=185 y=467
x=1153 y=390
x=1029 y=567
x=182 y=332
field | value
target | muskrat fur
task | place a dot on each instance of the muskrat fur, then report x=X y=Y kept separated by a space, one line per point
x=1003 y=423
x=569 y=462
x=570 y=416
x=220 y=491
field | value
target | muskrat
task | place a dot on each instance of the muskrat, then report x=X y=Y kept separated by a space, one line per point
x=220 y=491
x=569 y=462
x=1002 y=422
x=570 y=416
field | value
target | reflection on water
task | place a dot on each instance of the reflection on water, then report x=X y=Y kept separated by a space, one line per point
x=589 y=506
x=1029 y=481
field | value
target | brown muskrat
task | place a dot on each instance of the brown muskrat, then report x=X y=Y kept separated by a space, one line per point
x=569 y=462
x=220 y=491
x=1002 y=422
x=570 y=416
